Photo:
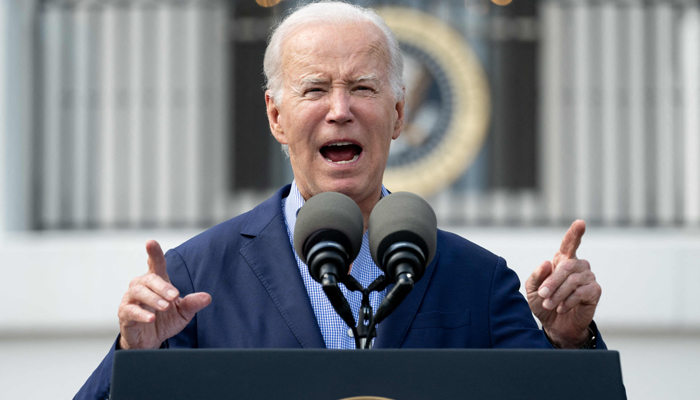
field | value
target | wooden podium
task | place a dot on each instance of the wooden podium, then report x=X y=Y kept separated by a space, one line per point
x=272 y=374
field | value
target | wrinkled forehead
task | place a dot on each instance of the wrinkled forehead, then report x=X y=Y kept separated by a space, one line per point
x=317 y=42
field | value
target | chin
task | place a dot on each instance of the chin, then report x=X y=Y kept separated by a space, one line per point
x=355 y=188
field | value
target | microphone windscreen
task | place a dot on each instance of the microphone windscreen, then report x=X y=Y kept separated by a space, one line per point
x=329 y=216
x=399 y=217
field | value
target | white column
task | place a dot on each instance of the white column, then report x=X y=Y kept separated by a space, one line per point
x=3 y=116
x=180 y=184
x=20 y=113
x=690 y=78
x=193 y=134
x=50 y=156
x=499 y=206
x=107 y=157
x=530 y=207
x=136 y=171
x=81 y=78
x=163 y=146
x=221 y=109
x=122 y=111
x=150 y=118
x=551 y=109
x=637 y=112
x=664 y=112
x=582 y=102
x=611 y=111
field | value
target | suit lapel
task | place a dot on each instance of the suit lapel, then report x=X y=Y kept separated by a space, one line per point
x=269 y=254
x=391 y=332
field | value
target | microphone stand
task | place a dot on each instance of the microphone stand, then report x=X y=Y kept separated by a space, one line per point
x=366 y=328
x=402 y=258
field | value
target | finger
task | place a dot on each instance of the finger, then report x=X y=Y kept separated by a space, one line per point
x=569 y=286
x=156 y=259
x=143 y=295
x=192 y=304
x=588 y=294
x=538 y=276
x=158 y=285
x=560 y=274
x=572 y=239
x=131 y=313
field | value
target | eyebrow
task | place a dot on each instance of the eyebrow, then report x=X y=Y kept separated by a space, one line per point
x=313 y=79
x=316 y=79
x=368 y=77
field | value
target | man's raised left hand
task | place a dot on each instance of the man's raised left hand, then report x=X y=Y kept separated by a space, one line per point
x=563 y=294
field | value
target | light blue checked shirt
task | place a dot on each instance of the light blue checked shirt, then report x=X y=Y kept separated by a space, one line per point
x=333 y=328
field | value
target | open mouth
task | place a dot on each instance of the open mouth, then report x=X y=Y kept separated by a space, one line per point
x=341 y=152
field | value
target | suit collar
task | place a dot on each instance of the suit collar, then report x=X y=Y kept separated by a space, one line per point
x=270 y=256
x=261 y=216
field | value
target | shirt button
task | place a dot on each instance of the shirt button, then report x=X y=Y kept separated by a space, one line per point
x=350 y=332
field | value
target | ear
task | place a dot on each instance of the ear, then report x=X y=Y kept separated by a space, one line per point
x=274 y=118
x=398 y=124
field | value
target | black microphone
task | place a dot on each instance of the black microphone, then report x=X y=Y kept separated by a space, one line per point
x=402 y=241
x=402 y=235
x=328 y=237
x=328 y=234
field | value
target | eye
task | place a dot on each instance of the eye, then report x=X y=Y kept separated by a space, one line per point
x=313 y=90
x=364 y=89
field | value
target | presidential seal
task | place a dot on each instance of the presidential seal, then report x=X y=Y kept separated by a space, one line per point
x=366 y=398
x=447 y=104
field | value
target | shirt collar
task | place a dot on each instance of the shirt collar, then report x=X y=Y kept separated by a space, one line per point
x=295 y=201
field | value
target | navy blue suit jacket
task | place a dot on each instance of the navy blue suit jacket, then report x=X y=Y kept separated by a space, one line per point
x=468 y=298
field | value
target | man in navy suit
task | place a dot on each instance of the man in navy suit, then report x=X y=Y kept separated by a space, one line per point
x=335 y=100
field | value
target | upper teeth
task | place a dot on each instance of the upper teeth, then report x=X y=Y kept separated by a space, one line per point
x=340 y=144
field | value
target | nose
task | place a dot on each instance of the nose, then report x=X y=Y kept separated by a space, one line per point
x=339 y=110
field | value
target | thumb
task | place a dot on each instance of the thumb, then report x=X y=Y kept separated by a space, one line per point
x=156 y=260
x=193 y=303
x=538 y=276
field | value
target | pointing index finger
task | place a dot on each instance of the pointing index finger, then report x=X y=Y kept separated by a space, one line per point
x=156 y=259
x=572 y=239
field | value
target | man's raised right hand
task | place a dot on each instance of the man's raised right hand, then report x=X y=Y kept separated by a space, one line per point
x=151 y=310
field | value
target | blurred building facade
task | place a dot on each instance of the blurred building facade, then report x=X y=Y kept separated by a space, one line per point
x=139 y=114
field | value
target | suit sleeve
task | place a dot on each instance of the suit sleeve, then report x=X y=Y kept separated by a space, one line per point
x=511 y=322
x=600 y=345
x=97 y=385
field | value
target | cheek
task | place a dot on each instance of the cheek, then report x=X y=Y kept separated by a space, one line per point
x=306 y=118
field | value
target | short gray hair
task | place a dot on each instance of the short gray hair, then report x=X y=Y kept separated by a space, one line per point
x=334 y=12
